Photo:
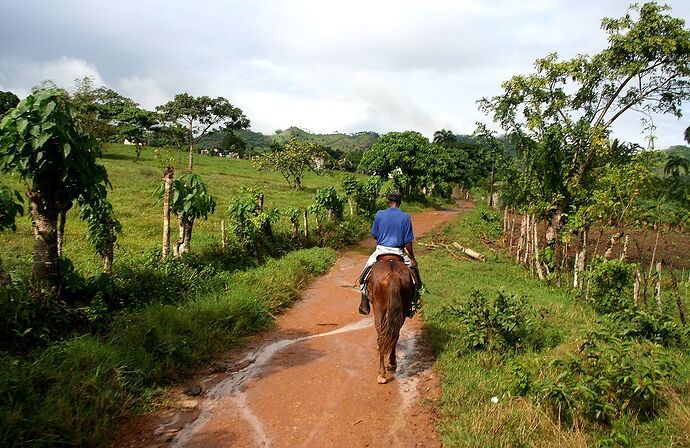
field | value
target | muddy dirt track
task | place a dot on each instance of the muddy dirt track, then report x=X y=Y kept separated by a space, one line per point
x=310 y=382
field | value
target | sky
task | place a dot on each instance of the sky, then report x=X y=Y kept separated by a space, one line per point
x=324 y=66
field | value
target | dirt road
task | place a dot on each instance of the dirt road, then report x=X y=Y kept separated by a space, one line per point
x=311 y=382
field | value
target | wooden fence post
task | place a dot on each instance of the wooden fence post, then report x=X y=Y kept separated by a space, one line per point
x=306 y=223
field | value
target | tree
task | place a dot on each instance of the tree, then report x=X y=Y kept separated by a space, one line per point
x=199 y=114
x=445 y=138
x=8 y=100
x=415 y=164
x=292 y=160
x=10 y=207
x=564 y=111
x=189 y=200
x=102 y=228
x=674 y=163
x=135 y=124
x=40 y=141
x=686 y=134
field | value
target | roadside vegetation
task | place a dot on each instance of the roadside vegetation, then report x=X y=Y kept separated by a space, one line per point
x=527 y=363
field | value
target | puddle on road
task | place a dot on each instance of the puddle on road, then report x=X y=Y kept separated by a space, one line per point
x=251 y=366
x=234 y=386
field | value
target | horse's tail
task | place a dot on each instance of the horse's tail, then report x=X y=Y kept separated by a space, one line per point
x=394 y=318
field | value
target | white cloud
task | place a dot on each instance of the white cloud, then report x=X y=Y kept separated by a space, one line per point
x=347 y=66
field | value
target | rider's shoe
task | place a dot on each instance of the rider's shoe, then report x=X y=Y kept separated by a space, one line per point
x=364 y=305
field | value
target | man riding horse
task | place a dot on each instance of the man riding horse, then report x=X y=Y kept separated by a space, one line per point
x=392 y=230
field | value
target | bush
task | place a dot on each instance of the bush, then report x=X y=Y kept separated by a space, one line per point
x=610 y=285
x=656 y=327
x=608 y=379
x=505 y=323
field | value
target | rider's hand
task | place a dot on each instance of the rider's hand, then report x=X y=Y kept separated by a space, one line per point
x=413 y=263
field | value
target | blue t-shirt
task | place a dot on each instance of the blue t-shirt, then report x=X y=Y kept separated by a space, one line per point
x=392 y=228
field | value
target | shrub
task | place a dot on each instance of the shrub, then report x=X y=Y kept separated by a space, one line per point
x=607 y=379
x=610 y=285
x=656 y=327
x=504 y=323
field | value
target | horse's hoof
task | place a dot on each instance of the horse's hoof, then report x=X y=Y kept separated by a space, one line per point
x=381 y=379
x=392 y=367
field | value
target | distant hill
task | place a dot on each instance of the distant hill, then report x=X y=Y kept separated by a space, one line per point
x=358 y=141
x=681 y=150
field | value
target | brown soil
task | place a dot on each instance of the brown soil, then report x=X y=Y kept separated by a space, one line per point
x=311 y=382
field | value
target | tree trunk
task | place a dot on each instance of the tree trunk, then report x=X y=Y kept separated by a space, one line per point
x=191 y=145
x=306 y=223
x=656 y=245
x=167 y=186
x=182 y=245
x=657 y=290
x=537 y=260
x=580 y=260
x=298 y=183
x=521 y=240
x=260 y=203
x=62 y=219
x=108 y=260
x=608 y=254
x=352 y=209
x=676 y=293
x=636 y=287
x=556 y=223
x=44 y=213
x=137 y=148
x=624 y=252
x=505 y=225
x=512 y=232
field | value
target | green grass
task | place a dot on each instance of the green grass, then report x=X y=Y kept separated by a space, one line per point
x=132 y=195
x=471 y=379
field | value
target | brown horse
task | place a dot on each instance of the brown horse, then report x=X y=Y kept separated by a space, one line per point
x=390 y=289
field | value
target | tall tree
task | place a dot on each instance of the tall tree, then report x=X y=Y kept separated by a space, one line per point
x=414 y=163
x=135 y=124
x=199 y=114
x=445 y=138
x=40 y=141
x=674 y=163
x=567 y=107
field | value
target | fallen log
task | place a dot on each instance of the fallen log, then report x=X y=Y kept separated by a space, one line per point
x=469 y=252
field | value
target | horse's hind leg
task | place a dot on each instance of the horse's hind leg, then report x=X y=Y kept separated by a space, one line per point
x=392 y=358
x=381 y=378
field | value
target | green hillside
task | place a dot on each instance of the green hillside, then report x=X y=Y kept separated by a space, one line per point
x=358 y=141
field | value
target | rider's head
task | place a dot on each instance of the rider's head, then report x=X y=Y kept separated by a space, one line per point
x=394 y=197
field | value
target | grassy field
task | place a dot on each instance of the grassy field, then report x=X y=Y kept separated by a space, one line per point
x=134 y=201
x=484 y=400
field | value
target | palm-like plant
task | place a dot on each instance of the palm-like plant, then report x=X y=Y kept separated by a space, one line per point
x=444 y=138
x=675 y=163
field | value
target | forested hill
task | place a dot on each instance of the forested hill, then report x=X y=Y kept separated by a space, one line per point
x=358 y=141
